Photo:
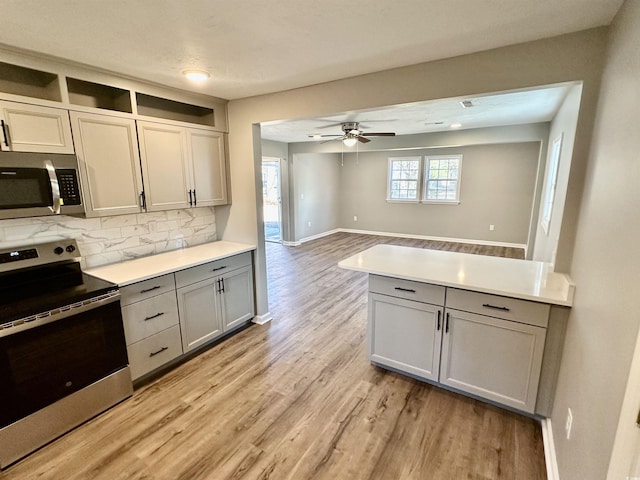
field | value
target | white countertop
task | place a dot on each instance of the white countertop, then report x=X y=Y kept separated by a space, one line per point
x=139 y=269
x=509 y=277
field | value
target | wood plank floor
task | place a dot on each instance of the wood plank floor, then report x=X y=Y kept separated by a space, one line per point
x=298 y=399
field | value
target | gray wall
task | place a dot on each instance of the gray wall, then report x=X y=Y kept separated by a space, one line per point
x=316 y=182
x=604 y=321
x=497 y=187
x=564 y=124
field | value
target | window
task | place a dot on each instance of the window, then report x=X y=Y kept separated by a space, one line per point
x=550 y=185
x=442 y=179
x=404 y=178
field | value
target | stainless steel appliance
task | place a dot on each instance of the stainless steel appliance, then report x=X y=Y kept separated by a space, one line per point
x=37 y=184
x=63 y=356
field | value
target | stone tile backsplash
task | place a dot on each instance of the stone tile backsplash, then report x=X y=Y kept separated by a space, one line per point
x=114 y=239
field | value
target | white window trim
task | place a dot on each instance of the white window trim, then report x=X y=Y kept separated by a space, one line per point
x=548 y=196
x=418 y=184
x=425 y=171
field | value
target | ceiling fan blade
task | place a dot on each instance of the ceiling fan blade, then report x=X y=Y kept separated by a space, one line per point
x=361 y=139
x=379 y=134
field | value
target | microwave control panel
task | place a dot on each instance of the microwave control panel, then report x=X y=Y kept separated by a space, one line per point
x=68 y=183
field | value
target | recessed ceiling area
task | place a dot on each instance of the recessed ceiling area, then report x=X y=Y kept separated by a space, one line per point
x=500 y=109
x=254 y=47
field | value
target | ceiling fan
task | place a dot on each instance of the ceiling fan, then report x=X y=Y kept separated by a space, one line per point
x=352 y=134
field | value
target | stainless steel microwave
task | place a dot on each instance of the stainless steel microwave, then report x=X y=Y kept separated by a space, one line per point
x=37 y=184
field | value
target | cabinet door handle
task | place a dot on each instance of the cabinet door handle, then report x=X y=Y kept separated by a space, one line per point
x=488 y=305
x=195 y=199
x=409 y=290
x=219 y=268
x=4 y=133
x=222 y=282
x=153 y=354
x=159 y=314
x=150 y=289
x=438 y=326
x=446 y=328
x=218 y=288
x=143 y=200
x=190 y=199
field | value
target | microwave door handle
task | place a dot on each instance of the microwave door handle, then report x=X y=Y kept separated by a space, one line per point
x=55 y=186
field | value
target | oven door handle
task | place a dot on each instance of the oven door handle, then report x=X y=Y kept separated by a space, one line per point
x=55 y=187
x=34 y=321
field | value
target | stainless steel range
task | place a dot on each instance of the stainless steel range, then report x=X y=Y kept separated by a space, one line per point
x=63 y=356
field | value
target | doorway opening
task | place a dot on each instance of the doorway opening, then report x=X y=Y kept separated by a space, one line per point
x=271 y=199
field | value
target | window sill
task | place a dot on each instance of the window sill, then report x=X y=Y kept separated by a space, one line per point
x=396 y=200
x=440 y=202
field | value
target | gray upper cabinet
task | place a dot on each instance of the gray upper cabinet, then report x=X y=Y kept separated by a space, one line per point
x=34 y=128
x=182 y=167
x=107 y=150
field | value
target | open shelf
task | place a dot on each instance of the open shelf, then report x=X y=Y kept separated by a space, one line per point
x=89 y=94
x=29 y=82
x=172 y=110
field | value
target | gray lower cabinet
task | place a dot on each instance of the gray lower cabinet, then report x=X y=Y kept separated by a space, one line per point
x=169 y=315
x=453 y=342
x=214 y=298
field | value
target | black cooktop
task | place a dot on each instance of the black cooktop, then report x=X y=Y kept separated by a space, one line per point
x=35 y=290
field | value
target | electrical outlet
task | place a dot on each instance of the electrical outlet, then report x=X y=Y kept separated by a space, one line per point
x=355 y=218
x=492 y=228
x=302 y=196
x=569 y=423
x=309 y=224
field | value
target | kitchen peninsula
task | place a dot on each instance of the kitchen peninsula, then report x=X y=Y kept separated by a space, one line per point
x=489 y=327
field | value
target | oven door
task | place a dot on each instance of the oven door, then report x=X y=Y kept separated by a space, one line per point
x=41 y=365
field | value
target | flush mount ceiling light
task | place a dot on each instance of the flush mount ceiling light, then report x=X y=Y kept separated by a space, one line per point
x=196 y=75
x=456 y=125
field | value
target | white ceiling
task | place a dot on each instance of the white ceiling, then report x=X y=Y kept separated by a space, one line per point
x=253 y=47
x=510 y=108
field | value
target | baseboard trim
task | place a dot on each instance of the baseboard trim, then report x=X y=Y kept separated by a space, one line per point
x=406 y=235
x=549 y=450
x=262 y=319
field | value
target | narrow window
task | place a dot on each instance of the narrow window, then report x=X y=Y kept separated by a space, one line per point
x=404 y=178
x=550 y=185
x=442 y=179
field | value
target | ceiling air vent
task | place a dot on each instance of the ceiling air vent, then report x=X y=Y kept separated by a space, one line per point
x=466 y=104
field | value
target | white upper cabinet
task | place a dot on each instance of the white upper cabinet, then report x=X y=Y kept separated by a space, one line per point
x=109 y=163
x=34 y=128
x=182 y=167
x=163 y=151
x=208 y=170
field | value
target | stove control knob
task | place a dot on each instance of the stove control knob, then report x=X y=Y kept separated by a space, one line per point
x=70 y=248
x=58 y=250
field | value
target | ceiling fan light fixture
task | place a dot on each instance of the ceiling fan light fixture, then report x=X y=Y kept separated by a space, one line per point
x=350 y=141
x=196 y=75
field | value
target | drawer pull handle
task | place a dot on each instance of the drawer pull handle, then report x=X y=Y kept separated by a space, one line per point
x=159 y=314
x=409 y=290
x=153 y=354
x=488 y=305
x=150 y=289
x=219 y=268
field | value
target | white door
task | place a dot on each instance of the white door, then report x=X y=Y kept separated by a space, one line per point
x=109 y=163
x=163 y=151
x=272 y=199
x=496 y=359
x=208 y=167
x=405 y=335
x=236 y=297
x=32 y=128
x=199 y=313
x=625 y=457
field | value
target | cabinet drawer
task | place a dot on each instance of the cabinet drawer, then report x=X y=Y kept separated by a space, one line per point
x=143 y=319
x=153 y=352
x=420 y=292
x=523 y=311
x=146 y=289
x=211 y=269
